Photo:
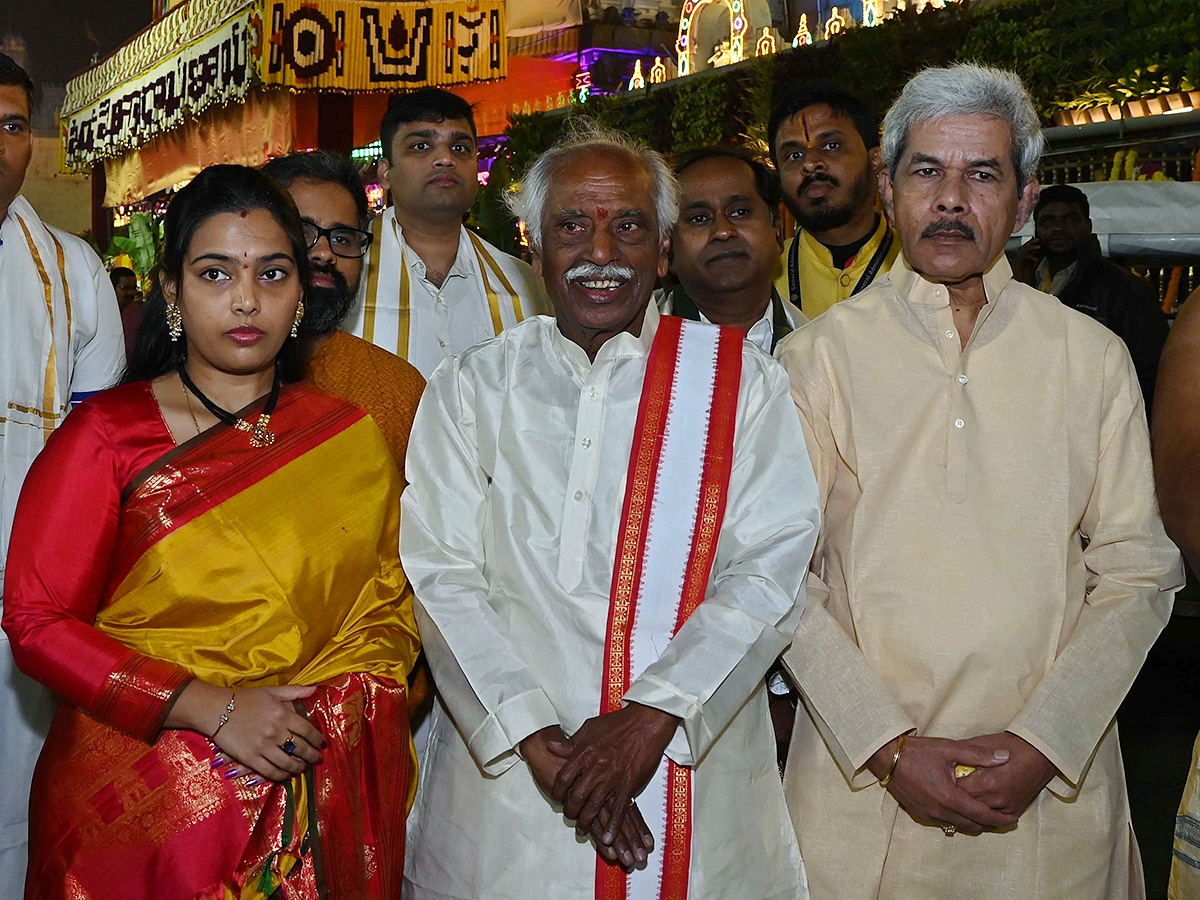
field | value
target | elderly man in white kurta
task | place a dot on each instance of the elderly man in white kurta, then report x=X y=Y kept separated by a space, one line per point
x=992 y=569
x=605 y=528
x=60 y=337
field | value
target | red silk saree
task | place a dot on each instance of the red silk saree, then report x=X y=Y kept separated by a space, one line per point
x=136 y=566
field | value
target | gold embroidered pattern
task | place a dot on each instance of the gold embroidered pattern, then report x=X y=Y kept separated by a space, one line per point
x=48 y=288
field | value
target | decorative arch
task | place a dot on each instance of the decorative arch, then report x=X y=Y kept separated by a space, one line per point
x=686 y=44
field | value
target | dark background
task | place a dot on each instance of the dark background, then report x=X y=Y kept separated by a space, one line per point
x=56 y=31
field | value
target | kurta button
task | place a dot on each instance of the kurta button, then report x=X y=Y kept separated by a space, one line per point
x=578 y=496
x=949 y=334
x=959 y=423
x=962 y=379
x=587 y=442
x=591 y=392
x=441 y=343
x=845 y=280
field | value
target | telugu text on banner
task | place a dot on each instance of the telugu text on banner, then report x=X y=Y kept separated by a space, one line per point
x=352 y=46
x=171 y=72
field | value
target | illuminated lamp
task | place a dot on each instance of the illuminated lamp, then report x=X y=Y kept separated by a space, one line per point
x=803 y=37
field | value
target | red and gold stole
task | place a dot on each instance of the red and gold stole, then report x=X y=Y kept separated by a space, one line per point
x=675 y=497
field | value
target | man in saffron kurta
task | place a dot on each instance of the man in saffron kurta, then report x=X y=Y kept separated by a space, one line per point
x=60 y=338
x=518 y=511
x=992 y=569
x=332 y=203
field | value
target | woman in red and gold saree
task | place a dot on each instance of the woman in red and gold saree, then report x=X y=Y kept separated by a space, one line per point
x=141 y=569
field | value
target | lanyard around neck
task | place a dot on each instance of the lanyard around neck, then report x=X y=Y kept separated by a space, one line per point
x=865 y=279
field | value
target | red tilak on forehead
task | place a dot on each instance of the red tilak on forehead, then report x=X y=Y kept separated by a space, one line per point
x=602 y=212
x=244 y=213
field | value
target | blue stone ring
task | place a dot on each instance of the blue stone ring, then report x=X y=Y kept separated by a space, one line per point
x=288 y=747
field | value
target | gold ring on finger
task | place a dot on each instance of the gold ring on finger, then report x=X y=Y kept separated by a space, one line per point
x=949 y=830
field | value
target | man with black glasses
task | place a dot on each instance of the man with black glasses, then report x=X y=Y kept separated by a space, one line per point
x=333 y=205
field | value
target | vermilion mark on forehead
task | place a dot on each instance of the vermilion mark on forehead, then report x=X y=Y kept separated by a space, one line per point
x=602 y=213
x=244 y=213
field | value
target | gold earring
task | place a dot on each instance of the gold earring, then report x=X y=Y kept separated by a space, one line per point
x=299 y=318
x=174 y=321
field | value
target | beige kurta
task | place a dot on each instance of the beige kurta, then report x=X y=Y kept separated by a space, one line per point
x=992 y=559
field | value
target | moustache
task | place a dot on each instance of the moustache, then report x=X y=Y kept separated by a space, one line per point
x=949 y=226
x=593 y=272
x=818 y=178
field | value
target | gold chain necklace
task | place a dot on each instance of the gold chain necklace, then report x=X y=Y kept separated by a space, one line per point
x=260 y=434
x=188 y=400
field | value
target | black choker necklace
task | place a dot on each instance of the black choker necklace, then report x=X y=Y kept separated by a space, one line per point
x=260 y=435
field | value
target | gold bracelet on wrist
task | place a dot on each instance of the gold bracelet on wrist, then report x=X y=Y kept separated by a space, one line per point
x=883 y=782
x=224 y=716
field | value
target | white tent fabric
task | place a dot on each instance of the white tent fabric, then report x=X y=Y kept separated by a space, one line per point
x=1142 y=218
x=527 y=17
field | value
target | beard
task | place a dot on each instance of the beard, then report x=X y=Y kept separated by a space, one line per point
x=326 y=307
x=824 y=215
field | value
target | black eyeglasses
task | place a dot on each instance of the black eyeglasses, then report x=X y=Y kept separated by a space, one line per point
x=345 y=242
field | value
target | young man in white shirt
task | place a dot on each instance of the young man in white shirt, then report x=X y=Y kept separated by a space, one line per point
x=432 y=288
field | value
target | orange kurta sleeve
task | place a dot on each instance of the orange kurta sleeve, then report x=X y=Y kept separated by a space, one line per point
x=383 y=384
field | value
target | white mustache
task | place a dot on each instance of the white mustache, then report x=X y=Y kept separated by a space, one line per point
x=593 y=272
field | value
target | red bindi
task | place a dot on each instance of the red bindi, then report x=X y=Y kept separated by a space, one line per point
x=602 y=213
x=244 y=213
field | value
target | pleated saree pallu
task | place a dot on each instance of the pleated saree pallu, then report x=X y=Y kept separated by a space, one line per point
x=242 y=567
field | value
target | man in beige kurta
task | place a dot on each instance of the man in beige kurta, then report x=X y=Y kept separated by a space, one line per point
x=992 y=569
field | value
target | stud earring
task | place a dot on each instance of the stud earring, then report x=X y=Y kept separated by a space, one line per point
x=299 y=318
x=174 y=321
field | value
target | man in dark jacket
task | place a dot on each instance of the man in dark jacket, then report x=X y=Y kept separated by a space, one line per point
x=1064 y=259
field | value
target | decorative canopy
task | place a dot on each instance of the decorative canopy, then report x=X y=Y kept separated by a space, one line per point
x=214 y=52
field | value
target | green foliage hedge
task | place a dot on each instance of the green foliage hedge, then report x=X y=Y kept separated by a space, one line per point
x=1072 y=54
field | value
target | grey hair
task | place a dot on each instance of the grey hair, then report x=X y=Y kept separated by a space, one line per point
x=965 y=90
x=528 y=200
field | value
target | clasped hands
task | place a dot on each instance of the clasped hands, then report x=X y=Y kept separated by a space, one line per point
x=1009 y=774
x=596 y=773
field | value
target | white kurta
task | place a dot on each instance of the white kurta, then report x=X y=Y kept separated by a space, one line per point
x=761 y=333
x=60 y=334
x=441 y=321
x=517 y=467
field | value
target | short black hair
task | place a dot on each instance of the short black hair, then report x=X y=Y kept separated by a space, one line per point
x=1063 y=193
x=839 y=99
x=425 y=105
x=119 y=272
x=765 y=180
x=11 y=73
x=321 y=165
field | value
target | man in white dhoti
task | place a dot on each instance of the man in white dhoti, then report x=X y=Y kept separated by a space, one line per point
x=603 y=528
x=992 y=569
x=431 y=287
x=60 y=339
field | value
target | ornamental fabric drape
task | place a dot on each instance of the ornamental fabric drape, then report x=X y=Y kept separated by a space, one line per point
x=249 y=133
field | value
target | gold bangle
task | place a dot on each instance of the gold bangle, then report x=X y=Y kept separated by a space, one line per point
x=224 y=716
x=883 y=782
